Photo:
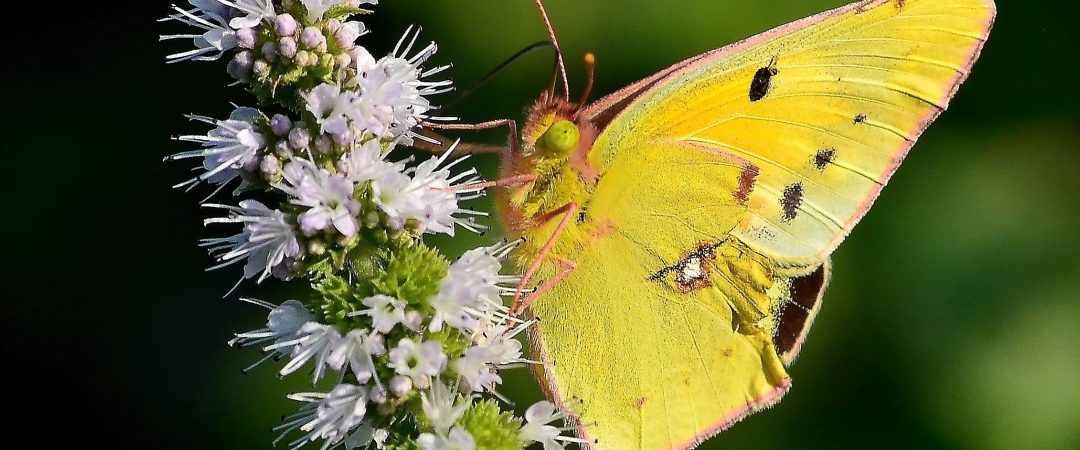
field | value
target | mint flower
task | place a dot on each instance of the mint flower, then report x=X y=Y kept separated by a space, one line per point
x=314 y=342
x=393 y=95
x=217 y=35
x=357 y=352
x=266 y=241
x=456 y=439
x=334 y=415
x=418 y=361
x=232 y=147
x=328 y=197
x=414 y=345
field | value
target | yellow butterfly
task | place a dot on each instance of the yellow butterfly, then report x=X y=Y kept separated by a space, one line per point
x=683 y=224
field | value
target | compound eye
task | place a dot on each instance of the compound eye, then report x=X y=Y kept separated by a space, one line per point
x=562 y=137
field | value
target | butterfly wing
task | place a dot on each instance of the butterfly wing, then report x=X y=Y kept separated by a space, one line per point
x=826 y=107
x=765 y=154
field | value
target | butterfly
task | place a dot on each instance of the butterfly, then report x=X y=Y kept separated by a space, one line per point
x=682 y=226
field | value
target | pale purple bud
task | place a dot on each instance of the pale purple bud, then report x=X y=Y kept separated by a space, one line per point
x=251 y=165
x=400 y=385
x=323 y=144
x=240 y=66
x=299 y=138
x=344 y=138
x=246 y=38
x=280 y=124
x=269 y=51
x=312 y=37
x=347 y=35
x=333 y=24
x=287 y=47
x=413 y=320
x=285 y=25
x=270 y=165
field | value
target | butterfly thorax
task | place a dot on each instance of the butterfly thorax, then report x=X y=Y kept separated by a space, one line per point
x=554 y=147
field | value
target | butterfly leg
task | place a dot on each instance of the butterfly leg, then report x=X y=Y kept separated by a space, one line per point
x=568 y=211
x=567 y=266
x=517 y=180
x=504 y=151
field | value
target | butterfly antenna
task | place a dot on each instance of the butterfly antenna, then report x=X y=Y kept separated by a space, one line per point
x=494 y=72
x=590 y=69
x=558 y=51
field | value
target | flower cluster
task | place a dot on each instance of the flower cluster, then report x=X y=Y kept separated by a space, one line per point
x=413 y=343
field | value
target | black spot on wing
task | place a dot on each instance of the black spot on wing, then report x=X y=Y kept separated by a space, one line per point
x=860 y=118
x=790 y=201
x=824 y=157
x=759 y=87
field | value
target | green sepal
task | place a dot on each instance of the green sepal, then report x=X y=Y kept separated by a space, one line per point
x=492 y=428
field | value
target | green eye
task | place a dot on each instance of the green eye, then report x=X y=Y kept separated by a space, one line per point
x=562 y=137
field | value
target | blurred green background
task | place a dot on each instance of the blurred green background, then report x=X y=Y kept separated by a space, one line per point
x=953 y=320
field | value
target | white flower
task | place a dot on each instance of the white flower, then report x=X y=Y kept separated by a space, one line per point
x=418 y=361
x=439 y=193
x=472 y=291
x=266 y=242
x=367 y=162
x=458 y=439
x=281 y=324
x=316 y=8
x=443 y=407
x=495 y=347
x=333 y=417
x=537 y=428
x=253 y=12
x=474 y=368
x=217 y=37
x=233 y=145
x=329 y=197
x=357 y=350
x=392 y=95
x=314 y=341
x=330 y=105
x=385 y=312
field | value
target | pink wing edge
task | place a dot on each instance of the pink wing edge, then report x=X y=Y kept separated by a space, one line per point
x=646 y=85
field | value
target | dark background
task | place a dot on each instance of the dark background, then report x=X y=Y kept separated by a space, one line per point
x=953 y=320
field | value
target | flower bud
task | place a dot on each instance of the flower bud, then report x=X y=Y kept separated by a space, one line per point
x=344 y=60
x=299 y=138
x=246 y=38
x=285 y=25
x=280 y=124
x=269 y=51
x=377 y=394
x=261 y=68
x=347 y=35
x=400 y=385
x=240 y=66
x=344 y=138
x=282 y=150
x=413 y=320
x=323 y=144
x=287 y=47
x=312 y=37
x=270 y=165
x=305 y=58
